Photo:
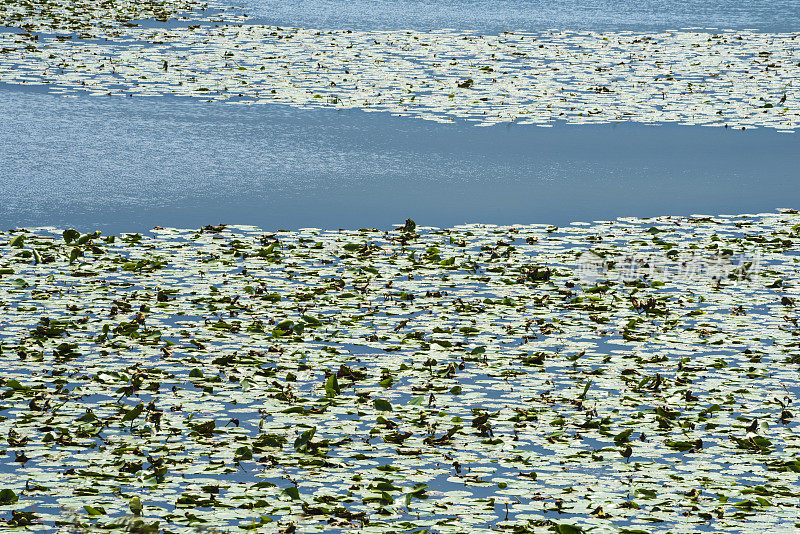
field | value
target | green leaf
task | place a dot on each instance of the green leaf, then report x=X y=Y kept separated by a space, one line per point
x=623 y=436
x=135 y=504
x=763 y=502
x=269 y=440
x=332 y=387
x=311 y=321
x=293 y=493
x=285 y=325
x=94 y=510
x=386 y=486
x=16 y=386
x=20 y=283
x=386 y=382
x=409 y=226
x=7 y=496
x=419 y=491
x=680 y=445
x=564 y=528
x=70 y=235
x=382 y=405
x=18 y=242
x=82 y=240
x=243 y=453
x=585 y=390
x=133 y=413
x=302 y=441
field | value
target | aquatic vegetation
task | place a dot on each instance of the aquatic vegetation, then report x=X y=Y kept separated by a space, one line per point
x=83 y=16
x=616 y=376
x=737 y=79
x=619 y=376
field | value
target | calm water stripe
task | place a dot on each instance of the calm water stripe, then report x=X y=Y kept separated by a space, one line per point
x=129 y=164
x=493 y=16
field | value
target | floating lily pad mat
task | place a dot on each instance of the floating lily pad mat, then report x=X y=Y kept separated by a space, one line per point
x=614 y=376
x=730 y=78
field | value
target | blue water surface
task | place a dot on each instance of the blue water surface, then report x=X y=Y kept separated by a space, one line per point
x=493 y=16
x=128 y=164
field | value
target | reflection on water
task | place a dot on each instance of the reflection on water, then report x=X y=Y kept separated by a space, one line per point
x=129 y=164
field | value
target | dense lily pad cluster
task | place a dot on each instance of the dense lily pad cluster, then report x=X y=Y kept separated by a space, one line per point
x=737 y=79
x=637 y=375
x=87 y=17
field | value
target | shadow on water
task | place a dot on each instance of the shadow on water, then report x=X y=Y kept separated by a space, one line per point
x=129 y=164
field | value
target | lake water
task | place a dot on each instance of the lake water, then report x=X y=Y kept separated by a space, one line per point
x=493 y=16
x=128 y=164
